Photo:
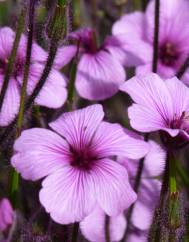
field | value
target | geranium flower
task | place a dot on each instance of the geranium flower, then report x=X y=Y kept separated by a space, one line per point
x=136 y=30
x=52 y=95
x=99 y=73
x=6 y=214
x=159 y=105
x=77 y=161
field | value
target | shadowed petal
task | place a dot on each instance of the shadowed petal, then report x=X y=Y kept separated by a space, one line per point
x=93 y=226
x=99 y=76
x=11 y=102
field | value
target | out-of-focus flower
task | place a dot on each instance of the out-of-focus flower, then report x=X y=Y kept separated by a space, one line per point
x=93 y=226
x=136 y=31
x=159 y=105
x=52 y=95
x=99 y=73
x=77 y=161
x=6 y=214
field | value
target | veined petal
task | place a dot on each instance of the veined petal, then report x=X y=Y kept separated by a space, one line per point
x=78 y=127
x=113 y=191
x=99 y=76
x=39 y=152
x=68 y=195
x=111 y=139
x=11 y=102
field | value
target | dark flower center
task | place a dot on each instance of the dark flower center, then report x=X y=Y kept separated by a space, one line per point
x=181 y=123
x=168 y=54
x=83 y=159
x=17 y=69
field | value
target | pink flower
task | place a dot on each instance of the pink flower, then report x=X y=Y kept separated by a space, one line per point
x=77 y=160
x=159 y=105
x=6 y=214
x=52 y=95
x=136 y=30
x=99 y=73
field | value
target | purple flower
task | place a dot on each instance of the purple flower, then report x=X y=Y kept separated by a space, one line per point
x=99 y=73
x=136 y=30
x=52 y=95
x=6 y=214
x=159 y=105
x=77 y=160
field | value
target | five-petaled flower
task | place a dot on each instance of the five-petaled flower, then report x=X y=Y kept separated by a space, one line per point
x=77 y=160
x=159 y=105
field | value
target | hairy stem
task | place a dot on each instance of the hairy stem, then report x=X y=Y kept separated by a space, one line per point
x=183 y=68
x=107 y=228
x=15 y=176
x=156 y=36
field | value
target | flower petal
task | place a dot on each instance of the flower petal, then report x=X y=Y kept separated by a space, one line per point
x=39 y=152
x=78 y=127
x=95 y=80
x=111 y=140
x=68 y=195
x=93 y=226
x=53 y=94
x=181 y=92
x=11 y=102
x=64 y=56
x=113 y=191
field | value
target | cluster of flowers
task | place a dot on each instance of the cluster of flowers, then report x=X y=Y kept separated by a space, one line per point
x=89 y=165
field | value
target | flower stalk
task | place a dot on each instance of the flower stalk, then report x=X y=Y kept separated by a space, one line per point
x=10 y=64
x=156 y=36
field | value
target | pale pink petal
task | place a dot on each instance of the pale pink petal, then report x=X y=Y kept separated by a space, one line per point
x=147 y=201
x=93 y=226
x=145 y=119
x=64 y=56
x=181 y=92
x=54 y=93
x=39 y=152
x=111 y=139
x=38 y=54
x=6 y=214
x=120 y=48
x=130 y=24
x=6 y=41
x=95 y=80
x=11 y=102
x=113 y=191
x=173 y=18
x=78 y=127
x=155 y=160
x=68 y=195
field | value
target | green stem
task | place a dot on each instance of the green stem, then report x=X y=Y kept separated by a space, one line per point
x=10 y=65
x=15 y=176
x=182 y=174
x=62 y=2
x=27 y=66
